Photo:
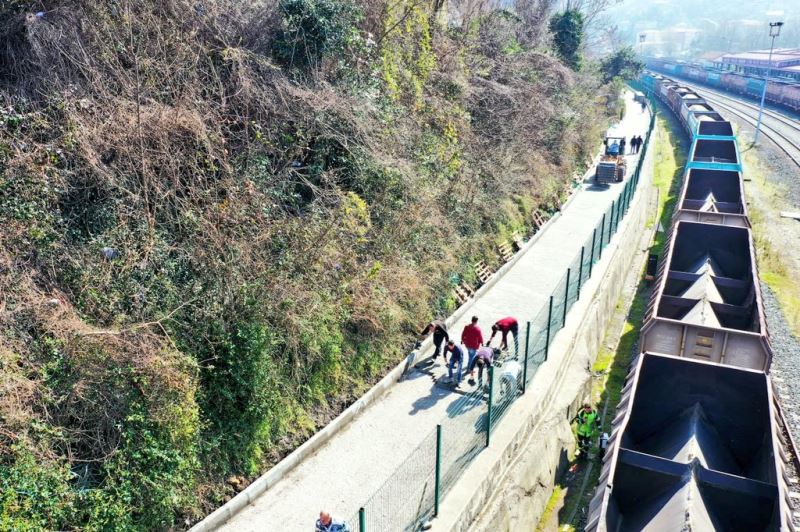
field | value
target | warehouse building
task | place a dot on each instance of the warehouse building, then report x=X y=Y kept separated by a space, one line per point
x=785 y=62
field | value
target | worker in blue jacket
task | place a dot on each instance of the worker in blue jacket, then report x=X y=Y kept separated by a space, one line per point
x=456 y=359
x=326 y=523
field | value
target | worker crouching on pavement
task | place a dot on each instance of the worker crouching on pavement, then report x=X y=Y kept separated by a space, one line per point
x=440 y=336
x=456 y=358
x=505 y=326
x=588 y=422
x=483 y=359
x=326 y=523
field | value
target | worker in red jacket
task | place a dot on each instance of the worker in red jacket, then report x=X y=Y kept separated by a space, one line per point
x=472 y=338
x=505 y=326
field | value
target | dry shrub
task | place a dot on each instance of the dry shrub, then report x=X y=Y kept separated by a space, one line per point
x=94 y=371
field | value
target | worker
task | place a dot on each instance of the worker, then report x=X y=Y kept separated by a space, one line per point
x=483 y=359
x=639 y=142
x=326 y=523
x=587 y=424
x=614 y=148
x=440 y=336
x=472 y=338
x=456 y=358
x=511 y=377
x=622 y=146
x=505 y=326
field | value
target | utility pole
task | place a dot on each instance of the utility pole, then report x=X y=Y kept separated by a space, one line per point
x=774 y=31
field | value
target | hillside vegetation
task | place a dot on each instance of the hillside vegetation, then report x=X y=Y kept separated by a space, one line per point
x=222 y=221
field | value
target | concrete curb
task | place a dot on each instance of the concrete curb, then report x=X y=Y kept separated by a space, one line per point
x=263 y=483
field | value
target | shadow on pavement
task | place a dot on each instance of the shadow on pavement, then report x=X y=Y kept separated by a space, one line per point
x=439 y=391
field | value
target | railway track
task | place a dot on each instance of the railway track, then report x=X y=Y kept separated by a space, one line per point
x=783 y=131
x=792 y=474
x=792 y=123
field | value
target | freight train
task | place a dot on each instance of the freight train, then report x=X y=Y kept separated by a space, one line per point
x=698 y=440
x=779 y=92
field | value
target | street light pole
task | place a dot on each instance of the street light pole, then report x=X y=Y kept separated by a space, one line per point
x=774 y=31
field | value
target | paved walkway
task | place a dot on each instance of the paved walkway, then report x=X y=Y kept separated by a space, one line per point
x=348 y=469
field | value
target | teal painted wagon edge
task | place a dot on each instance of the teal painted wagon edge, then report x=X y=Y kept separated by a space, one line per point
x=734 y=167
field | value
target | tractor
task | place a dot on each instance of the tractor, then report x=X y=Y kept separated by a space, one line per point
x=611 y=168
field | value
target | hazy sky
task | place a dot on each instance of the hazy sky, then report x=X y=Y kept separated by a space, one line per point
x=722 y=25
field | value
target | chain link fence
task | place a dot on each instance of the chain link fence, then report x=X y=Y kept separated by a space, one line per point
x=411 y=496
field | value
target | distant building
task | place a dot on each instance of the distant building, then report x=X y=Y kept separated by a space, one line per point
x=675 y=41
x=785 y=62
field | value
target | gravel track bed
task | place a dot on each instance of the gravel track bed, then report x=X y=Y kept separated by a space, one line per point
x=776 y=164
x=785 y=362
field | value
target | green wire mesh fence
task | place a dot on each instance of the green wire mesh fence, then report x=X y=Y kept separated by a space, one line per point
x=406 y=499
x=463 y=435
x=411 y=496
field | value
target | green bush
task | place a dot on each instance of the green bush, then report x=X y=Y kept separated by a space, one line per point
x=35 y=493
x=314 y=29
x=152 y=476
x=242 y=402
x=567 y=29
x=623 y=63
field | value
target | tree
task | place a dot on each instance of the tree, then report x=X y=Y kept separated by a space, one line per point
x=623 y=63
x=567 y=28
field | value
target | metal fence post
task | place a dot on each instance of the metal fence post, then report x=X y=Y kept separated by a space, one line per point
x=627 y=199
x=547 y=338
x=622 y=198
x=591 y=261
x=438 y=486
x=625 y=204
x=489 y=408
x=632 y=194
x=616 y=222
x=611 y=223
x=602 y=236
x=566 y=298
x=525 y=367
x=627 y=196
x=580 y=274
x=362 y=520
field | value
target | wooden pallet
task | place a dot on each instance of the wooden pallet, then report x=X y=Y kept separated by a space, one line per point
x=517 y=239
x=538 y=220
x=463 y=292
x=483 y=272
x=506 y=251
